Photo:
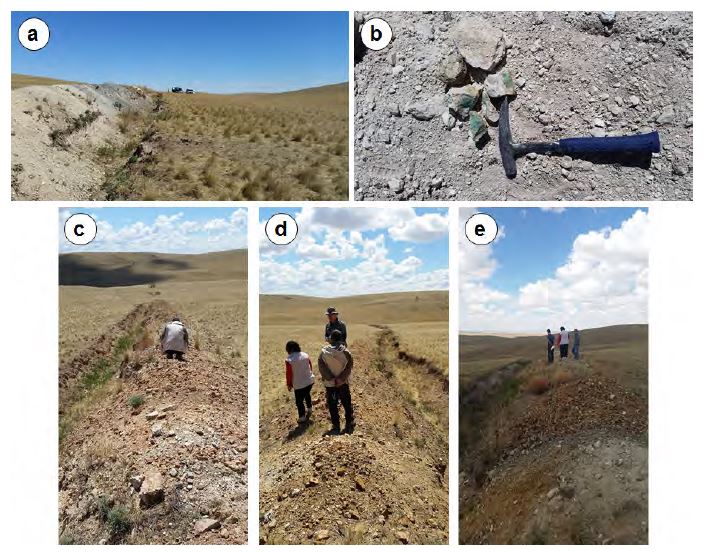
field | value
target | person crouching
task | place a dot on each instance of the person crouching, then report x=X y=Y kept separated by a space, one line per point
x=174 y=339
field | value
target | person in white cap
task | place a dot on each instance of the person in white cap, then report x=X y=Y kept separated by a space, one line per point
x=174 y=339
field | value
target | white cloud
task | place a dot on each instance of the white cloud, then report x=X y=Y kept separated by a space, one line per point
x=553 y=209
x=603 y=282
x=175 y=233
x=328 y=237
x=425 y=228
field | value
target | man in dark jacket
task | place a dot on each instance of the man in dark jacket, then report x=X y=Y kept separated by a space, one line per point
x=576 y=344
x=334 y=323
x=551 y=346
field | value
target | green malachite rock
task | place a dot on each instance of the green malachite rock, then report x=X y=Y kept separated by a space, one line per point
x=466 y=101
x=477 y=126
x=508 y=81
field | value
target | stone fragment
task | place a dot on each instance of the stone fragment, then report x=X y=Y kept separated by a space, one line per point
x=491 y=114
x=204 y=525
x=499 y=85
x=482 y=45
x=452 y=70
x=464 y=99
x=427 y=109
x=152 y=491
x=477 y=127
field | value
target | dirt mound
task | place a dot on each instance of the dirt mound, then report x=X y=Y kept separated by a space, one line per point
x=564 y=462
x=159 y=451
x=573 y=76
x=579 y=493
x=385 y=483
x=591 y=405
x=56 y=135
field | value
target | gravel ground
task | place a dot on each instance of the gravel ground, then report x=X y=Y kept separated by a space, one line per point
x=574 y=74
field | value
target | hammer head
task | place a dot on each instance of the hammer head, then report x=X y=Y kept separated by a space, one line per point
x=505 y=145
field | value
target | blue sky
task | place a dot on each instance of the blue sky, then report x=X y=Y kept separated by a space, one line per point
x=348 y=251
x=580 y=267
x=221 y=52
x=165 y=230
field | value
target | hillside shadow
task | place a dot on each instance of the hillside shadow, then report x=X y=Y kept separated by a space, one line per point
x=75 y=271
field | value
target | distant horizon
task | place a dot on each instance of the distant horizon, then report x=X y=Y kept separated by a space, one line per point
x=529 y=334
x=152 y=252
x=357 y=295
x=242 y=93
x=235 y=52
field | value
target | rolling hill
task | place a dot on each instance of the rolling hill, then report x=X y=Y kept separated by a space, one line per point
x=388 y=308
x=128 y=269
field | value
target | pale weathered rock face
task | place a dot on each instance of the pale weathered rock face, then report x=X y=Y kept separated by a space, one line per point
x=482 y=45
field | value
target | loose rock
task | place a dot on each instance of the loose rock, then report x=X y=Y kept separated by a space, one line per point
x=499 y=85
x=481 y=45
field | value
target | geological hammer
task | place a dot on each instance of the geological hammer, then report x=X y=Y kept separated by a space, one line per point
x=640 y=144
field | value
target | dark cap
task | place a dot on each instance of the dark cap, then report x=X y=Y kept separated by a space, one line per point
x=331 y=311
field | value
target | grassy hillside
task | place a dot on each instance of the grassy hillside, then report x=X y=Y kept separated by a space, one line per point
x=276 y=146
x=128 y=269
x=285 y=146
x=19 y=80
x=620 y=349
x=398 y=307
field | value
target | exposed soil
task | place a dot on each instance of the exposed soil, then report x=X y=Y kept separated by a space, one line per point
x=56 y=133
x=180 y=424
x=574 y=75
x=552 y=455
x=386 y=483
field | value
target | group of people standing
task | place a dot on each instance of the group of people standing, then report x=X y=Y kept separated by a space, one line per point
x=335 y=364
x=562 y=341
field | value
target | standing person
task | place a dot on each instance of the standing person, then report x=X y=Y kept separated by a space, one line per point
x=551 y=345
x=174 y=339
x=576 y=344
x=564 y=340
x=300 y=378
x=335 y=364
x=334 y=323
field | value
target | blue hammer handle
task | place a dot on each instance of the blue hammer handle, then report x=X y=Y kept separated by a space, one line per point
x=638 y=143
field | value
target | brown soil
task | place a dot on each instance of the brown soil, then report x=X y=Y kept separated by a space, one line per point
x=561 y=463
x=197 y=442
x=385 y=483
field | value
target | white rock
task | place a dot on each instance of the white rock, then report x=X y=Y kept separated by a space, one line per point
x=481 y=45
